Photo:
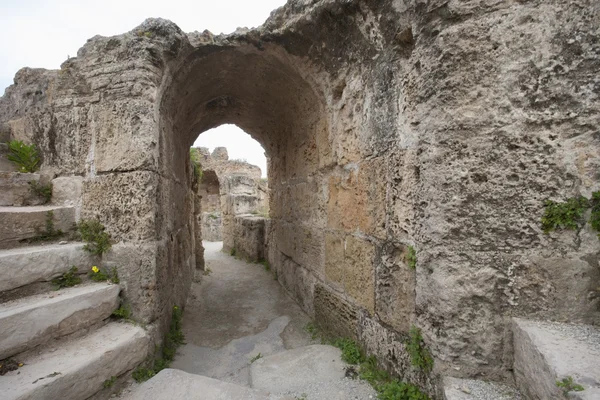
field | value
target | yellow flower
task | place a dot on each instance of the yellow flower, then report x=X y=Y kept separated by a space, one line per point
x=20 y=365
x=95 y=269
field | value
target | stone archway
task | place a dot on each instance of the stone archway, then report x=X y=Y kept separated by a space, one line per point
x=391 y=126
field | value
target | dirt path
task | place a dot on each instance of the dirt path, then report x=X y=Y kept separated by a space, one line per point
x=237 y=312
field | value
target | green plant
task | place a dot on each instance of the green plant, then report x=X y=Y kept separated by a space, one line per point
x=213 y=216
x=565 y=215
x=195 y=160
x=265 y=264
x=207 y=271
x=173 y=340
x=49 y=232
x=43 y=191
x=595 y=215
x=568 y=385
x=23 y=156
x=350 y=350
x=68 y=279
x=303 y=396
x=371 y=373
x=397 y=390
x=256 y=357
x=142 y=374
x=97 y=275
x=312 y=328
x=114 y=276
x=123 y=312
x=94 y=234
x=419 y=355
x=109 y=382
x=232 y=252
x=411 y=257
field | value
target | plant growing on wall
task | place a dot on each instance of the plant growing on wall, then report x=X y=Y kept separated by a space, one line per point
x=23 y=156
x=195 y=160
x=570 y=213
x=93 y=233
x=419 y=355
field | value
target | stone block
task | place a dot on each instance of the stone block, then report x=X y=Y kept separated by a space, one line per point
x=125 y=203
x=395 y=287
x=26 y=265
x=66 y=190
x=335 y=314
x=359 y=279
x=19 y=223
x=83 y=364
x=15 y=189
x=30 y=321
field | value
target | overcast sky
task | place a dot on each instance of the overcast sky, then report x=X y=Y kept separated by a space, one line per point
x=42 y=33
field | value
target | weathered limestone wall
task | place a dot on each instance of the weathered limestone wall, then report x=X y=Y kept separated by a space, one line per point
x=441 y=125
x=249 y=237
x=228 y=188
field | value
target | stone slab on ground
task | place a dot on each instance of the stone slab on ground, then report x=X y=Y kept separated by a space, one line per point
x=15 y=189
x=30 y=321
x=546 y=352
x=171 y=384
x=77 y=369
x=469 y=389
x=19 y=223
x=26 y=265
x=310 y=372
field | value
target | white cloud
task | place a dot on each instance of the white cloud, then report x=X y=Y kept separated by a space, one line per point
x=42 y=33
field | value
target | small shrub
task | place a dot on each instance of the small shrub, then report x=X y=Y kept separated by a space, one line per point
x=123 y=312
x=114 y=276
x=411 y=257
x=207 y=271
x=419 y=355
x=256 y=357
x=195 y=160
x=174 y=339
x=43 y=191
x=93 y=233
x=371 y=373
x=232 y=252
x=109 y=382
x=49 y=232
x=68 y=279
x=350 y=350
x=23 y=156
x=565 y=215
x=397 y=390
x=265 y=264
x=97 y=275
x=313 y=329
x=568 y=385
x=142 y=374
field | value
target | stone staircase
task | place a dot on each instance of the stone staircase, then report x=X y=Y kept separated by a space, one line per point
x=544 y=353
x=55 y=344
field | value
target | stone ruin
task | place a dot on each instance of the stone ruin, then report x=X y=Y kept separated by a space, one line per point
x=394 y=129
x=228 y=188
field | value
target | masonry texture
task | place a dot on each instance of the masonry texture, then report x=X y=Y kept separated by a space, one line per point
x=441 y=125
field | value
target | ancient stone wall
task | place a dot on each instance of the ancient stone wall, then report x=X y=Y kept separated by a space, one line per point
x=439 y=126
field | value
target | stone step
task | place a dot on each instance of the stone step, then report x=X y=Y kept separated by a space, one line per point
x=31 y=321
x=316 y=370
x=171 y=384
x=469 y=389
x=19 y=223
x=25 y=265
x=15 y=189
x=78 y=368
x=547 y=352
